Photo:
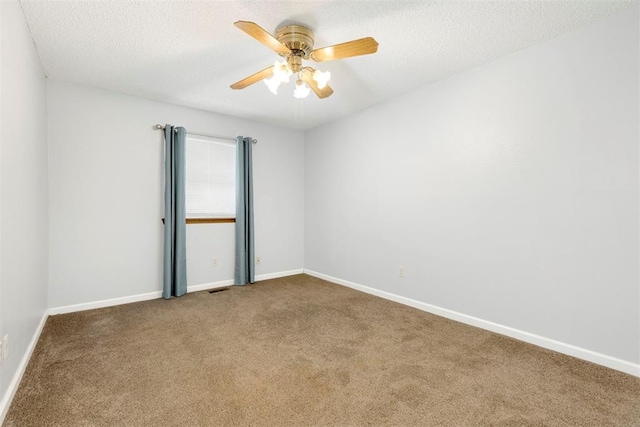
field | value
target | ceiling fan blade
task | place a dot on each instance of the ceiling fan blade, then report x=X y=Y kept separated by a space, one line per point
x=307 y=76
x=358 y=47
x=260 y=75
x=258 y=33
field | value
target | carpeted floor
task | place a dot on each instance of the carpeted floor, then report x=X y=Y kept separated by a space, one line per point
x=300 y=351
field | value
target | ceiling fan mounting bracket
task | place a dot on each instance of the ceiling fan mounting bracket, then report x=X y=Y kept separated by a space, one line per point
x=298 y=38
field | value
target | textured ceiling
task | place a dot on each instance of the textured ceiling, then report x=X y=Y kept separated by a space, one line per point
x=189 y=52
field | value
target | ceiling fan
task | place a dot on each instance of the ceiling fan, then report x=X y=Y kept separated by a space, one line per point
x=295 y=43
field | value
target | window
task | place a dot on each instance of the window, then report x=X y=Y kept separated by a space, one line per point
x=210 y=179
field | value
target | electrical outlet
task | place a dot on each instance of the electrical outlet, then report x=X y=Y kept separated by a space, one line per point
x=215 y=262
x=258 y=260
x=401 y=272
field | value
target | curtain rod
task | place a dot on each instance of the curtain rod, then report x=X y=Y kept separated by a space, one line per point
x=255 y=141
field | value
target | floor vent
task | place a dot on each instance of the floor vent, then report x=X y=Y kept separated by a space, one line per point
x=213 y=291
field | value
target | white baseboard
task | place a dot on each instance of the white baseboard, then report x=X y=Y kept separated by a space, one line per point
x=561 y=347
x=208 y=286
x=268 y=276
x=158 y=294
x=104 y=303
x=22 y=366
x=230 y=282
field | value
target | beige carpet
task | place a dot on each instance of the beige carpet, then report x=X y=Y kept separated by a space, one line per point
x=300 y=351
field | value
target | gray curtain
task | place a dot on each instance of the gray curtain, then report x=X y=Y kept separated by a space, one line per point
x=175 y=251
x=245 y=252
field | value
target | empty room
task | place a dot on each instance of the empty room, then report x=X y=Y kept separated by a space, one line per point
x=319 y=213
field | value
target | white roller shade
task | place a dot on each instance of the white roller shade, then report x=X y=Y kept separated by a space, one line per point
x=211 y=178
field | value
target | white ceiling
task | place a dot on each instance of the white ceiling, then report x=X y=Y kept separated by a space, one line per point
x=189 y=52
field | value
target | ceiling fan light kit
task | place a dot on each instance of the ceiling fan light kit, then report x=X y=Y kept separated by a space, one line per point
x=301 y=91
x=295 y=43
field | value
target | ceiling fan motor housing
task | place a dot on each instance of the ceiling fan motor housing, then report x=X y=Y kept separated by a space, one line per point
x=298 y=38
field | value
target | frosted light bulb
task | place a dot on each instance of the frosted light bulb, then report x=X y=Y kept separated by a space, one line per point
x=273 y=83
x=302 y=90
x=321 y=78
x=281 y=71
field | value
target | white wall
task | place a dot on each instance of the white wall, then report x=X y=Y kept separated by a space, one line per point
x=105 y=163
x=23 y=192
x=508 y=192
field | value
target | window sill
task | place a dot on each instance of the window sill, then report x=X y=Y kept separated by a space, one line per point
x=207 y=220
